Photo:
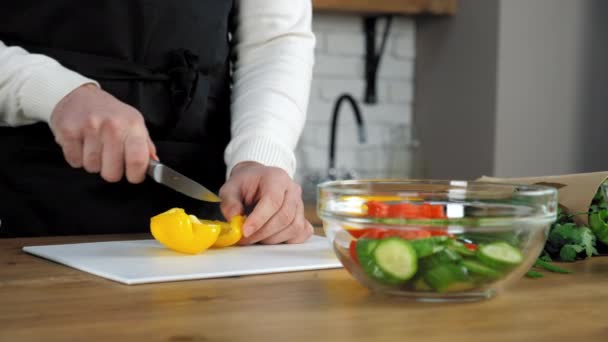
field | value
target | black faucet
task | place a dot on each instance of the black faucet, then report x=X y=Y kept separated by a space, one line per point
x=332 y=172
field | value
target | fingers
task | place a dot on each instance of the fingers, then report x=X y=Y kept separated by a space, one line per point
x=91 y=153
x=278 y=215
x=126 y=150
x=299 y=231
x=295 y=234
x=108 y=158
x=137 y=156
x=303 y=228
x=72 y=151
x=304 y=235
x=270 y=203
x=69 y=137
x=112 y=160
x=231 y=204
x=102 y=134
x=281 y=219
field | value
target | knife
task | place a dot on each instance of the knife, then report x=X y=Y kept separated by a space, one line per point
x=178 y=182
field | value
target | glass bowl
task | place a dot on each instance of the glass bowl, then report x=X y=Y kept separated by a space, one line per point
x=436 y=240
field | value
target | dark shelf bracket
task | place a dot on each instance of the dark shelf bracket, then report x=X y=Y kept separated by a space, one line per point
x=373 y=57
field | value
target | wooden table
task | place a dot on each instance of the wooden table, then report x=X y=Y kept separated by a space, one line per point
x=44 y=301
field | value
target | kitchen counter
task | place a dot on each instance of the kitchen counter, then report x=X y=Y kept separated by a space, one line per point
x=42 y=300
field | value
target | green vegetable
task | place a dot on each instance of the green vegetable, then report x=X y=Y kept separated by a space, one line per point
x=544 y=262
x=475 y=267
x=534 y=274
x=510 y=237
x=549 y=267
x=437 y=263
x=391 y=261
x=443 y=257
x=420 y=285
x=598 y=215
x=365 y=247
x=429 y=246
x=448 y=278
x=598 y=221
x=460 y=248
x=570 y=242
x=499 y=255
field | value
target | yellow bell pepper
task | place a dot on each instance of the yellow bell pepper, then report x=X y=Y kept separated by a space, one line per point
x=184 y=233
x=231 y=232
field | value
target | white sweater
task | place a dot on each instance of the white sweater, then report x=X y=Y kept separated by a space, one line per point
x=274 y=44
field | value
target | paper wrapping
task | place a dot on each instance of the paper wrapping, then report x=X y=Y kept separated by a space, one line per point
x=575 y=191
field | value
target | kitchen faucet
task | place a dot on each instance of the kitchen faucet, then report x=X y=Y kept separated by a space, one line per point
x=332 y=172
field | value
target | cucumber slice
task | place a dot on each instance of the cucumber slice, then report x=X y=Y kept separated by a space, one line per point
x=480 y=269
x=499 y=255
x=397 y=258
x=391 y=261
x=448 y=278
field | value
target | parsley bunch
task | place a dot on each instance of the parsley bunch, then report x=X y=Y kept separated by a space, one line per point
x=568 y=241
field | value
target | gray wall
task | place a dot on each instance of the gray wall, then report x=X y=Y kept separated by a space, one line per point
x=455 y=92
x=528 y=81
x=546 y=115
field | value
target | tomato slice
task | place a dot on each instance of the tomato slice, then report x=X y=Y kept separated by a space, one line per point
x=377 y=233
x=353 y=251
x=437 y=211
x=358 y=233
x=438 y=232
x=374 y=233
x=408 y=234
x=377 y=209
x=426 y=210
x=471 y=246
x=403 y=210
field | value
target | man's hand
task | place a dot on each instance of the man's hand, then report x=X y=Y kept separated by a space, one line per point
x=278 y=213
x=98 y=132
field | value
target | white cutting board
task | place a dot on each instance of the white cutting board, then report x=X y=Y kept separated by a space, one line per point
x=147 y=261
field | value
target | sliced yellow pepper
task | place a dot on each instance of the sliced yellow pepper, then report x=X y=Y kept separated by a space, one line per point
x=231 y=232
x=184 y=233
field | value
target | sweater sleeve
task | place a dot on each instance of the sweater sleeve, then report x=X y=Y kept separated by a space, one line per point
x=274 y=47
x=31 y=85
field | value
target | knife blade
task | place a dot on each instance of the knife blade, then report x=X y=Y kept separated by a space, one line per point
x=167 y=176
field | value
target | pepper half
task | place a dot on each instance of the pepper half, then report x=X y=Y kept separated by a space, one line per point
x=184 y=233
x=231 y=232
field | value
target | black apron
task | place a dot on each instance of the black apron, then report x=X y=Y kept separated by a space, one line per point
x=168 y=59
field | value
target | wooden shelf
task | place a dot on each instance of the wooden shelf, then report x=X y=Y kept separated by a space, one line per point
x=404 y=7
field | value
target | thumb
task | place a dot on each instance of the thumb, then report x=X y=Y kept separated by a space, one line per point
x=232 y=203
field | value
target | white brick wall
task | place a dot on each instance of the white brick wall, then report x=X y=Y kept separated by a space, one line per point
x=339 y=68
